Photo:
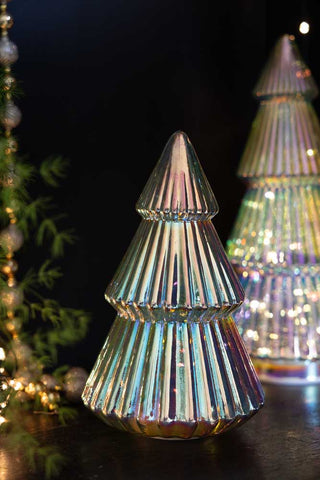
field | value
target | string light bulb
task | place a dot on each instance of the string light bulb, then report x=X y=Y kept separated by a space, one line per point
x=304 y=27
x=2 y=354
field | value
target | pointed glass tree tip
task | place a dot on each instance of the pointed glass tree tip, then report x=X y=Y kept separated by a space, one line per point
x=286 y=72
x=177 y=188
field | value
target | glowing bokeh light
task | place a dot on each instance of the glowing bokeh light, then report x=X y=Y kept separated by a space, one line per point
x=304 y=28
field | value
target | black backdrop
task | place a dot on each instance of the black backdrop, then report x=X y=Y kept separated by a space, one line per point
x=107 y=82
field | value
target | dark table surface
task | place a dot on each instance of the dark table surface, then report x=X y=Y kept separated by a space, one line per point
x=281 y=442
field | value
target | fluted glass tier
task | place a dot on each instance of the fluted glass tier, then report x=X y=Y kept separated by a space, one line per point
x=278 y=224
x=279 y=265
x=284 y=141
x=174 y=379
x=275 y=249
x=280 y=321
x=286 y=73
x=174 y=365
x=175 y=265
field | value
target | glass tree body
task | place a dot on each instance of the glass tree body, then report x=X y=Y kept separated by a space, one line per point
x=174 y=365
x=275 y=242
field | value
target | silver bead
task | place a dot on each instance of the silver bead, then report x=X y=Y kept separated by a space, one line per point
x=21 y=353
x=11 y=238
x=11 y=115
x=74 y=383
x=11 y=297
x=8 y=52
x=49 y=381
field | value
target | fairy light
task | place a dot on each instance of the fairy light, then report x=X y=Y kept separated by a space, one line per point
x=2 y=354
x=304 y=27
x=269 y=194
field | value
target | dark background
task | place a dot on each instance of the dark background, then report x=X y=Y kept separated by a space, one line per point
x=107 y=82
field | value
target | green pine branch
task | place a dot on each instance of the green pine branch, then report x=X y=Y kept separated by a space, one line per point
x=53 y=170
x=45 y=325
x=48 y=230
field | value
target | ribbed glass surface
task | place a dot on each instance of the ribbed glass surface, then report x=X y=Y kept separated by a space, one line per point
x=280 y=318
x=277 y=225
x=284 y=140
x=177 y=188
x=175 y=265
x=275 y=241
x=174 y=365
x=286 y=73
x=176 y=379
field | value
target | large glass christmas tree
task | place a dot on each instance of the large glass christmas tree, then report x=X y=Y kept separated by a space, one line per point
x=275 y=242
x=174 y=364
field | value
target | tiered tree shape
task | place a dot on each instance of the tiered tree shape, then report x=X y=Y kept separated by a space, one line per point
x=174 y=364
x=275 y=243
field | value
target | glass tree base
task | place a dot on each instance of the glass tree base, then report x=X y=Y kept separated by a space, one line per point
x=174 y=380
x=286 y=372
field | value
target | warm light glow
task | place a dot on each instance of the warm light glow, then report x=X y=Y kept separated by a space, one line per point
x=264 y=351
x=16 y=385
x=295 y=246
x=6 y=466
x=314 y=296
x=44 y=398
x=2 y=420
x=269 y=195
x=304 y=27
x=297 y=292
x=310 y=152
x=254 y=304
x=252 y=334
x=271 y=256
x=30 y=389
x=2 y=354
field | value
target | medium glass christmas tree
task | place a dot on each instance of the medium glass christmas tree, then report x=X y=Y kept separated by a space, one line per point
x=174 y=364
x=275 y=242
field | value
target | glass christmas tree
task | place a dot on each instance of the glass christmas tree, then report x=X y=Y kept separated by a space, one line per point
x=174 y=364
x=275 y=243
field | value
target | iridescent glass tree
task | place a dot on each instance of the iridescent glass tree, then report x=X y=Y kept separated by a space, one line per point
x=275 y=242
x=174 y=364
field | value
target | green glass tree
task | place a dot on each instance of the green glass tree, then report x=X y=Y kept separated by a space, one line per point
x=174 y=364
x=275 y=242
